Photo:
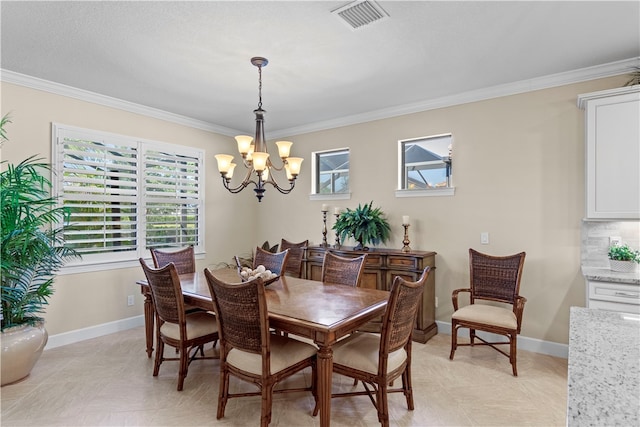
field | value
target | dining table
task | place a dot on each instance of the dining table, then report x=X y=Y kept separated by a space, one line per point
x=312 y=309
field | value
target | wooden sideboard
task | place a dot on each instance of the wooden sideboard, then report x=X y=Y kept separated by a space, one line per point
x=381 y=267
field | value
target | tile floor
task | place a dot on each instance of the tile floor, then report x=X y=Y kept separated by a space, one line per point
x=107 y=381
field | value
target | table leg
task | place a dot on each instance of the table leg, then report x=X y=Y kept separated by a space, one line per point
x=325 y=372
x=148 y=322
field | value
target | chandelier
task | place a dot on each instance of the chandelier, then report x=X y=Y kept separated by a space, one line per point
x=255 y=157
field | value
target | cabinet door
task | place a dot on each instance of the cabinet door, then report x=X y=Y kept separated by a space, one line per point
x=613 y=157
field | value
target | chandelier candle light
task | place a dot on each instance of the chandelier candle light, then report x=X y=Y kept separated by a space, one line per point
x=255 y=155
x=405 y=242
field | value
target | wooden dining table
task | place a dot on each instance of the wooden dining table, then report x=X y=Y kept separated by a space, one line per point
x=319 y=311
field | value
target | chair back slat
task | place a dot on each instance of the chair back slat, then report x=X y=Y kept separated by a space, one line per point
x=293 y=267
x=495 y=278
x=242 y=313
x=183 y=259
x=399 y=319
x=341 y=270
x=271 y=261
x=166 y=292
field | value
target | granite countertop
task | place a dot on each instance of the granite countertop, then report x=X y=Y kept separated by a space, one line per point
x=604 y=368
x=604 y=274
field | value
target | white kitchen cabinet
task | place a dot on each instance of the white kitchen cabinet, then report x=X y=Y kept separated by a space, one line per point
x=612 y=119
x=613 y=296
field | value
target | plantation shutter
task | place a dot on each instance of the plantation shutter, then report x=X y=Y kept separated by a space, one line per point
x=172 y=189
x=127 y=195
x=99 y=187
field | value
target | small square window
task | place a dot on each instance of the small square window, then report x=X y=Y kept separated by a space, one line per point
x=425 y=163
x=331 y=172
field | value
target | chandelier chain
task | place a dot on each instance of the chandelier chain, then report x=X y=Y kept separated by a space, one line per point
x=259 y=87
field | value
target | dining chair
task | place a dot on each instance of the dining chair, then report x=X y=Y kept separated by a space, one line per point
x=174 y=326
x=495 y=279
x=293 y=266
x=378 y=359
x=185 y=262
x=249 y=351
x=271 y=261
x=341 y=270
x=184 y=259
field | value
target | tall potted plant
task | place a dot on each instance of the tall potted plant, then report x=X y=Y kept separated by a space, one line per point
x=31 y=253
x=364 y=224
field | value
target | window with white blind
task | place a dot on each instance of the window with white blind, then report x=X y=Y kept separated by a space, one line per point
x=126 y=195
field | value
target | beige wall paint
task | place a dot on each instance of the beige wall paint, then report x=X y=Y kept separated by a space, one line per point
x=90 y=299
x=518 y=172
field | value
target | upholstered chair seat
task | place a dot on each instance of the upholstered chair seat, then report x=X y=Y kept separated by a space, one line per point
x=487 y=314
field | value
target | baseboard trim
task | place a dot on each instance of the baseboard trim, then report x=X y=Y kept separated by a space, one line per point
x=524 y=343
x=94 y=332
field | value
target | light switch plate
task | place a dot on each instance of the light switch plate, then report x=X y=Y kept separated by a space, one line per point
x=615 y=240
x=484 y=238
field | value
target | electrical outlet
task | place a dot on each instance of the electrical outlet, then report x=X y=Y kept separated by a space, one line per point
x=436 y=302
x=484 y=238
x=615 y=240
x=130 y=300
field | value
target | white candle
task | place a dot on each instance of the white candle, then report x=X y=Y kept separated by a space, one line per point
x=405 y=219
x=336 y=211
x=325 y=207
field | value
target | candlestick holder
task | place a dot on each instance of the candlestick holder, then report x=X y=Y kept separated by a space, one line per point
x=337 y=244
x=324 y=229
x=406 y=241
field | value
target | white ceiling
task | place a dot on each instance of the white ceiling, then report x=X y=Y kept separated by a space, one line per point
x=193 y=58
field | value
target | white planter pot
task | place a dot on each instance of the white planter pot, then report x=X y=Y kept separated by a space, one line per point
x=623 y=266
x=21 y=348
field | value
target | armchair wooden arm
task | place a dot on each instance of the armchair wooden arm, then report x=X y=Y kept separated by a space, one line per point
x=454 y=296
x=518 y=309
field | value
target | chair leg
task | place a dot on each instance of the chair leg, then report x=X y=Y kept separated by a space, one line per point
x=223 y=394
x=159 y=357
x=472 y=336
x=184 y=366
x=383 y=406
x=267 y=396
x=454 y=339
x=513 y=353
x=407 y=387
x=314 y=388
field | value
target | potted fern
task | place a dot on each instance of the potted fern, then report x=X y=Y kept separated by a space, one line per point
x=365 y=224
x=623 y=258
x=31 y=253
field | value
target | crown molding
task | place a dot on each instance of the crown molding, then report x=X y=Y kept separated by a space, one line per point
x=107 y=101
x=545 y=82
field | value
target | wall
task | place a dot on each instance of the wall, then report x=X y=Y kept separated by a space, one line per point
x=91 y=299
x=518 y=170
x=518 y=173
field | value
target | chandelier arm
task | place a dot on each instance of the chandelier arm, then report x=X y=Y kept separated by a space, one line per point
x=280 y=189
x=245 y=182
x=239 y=188
x=272 y=166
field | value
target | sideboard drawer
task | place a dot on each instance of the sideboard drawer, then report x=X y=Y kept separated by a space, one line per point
x=403 y=262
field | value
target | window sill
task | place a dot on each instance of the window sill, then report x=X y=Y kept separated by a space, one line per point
x=426 y=193
x=335 y=196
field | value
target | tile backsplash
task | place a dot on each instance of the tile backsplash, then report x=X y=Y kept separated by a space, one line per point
x=595 y=239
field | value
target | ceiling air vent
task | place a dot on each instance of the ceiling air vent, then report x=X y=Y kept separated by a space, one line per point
x=359 y=13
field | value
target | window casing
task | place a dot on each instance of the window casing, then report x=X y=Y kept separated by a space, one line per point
x=331 y=172
x=127 y=195
x=425 y=166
